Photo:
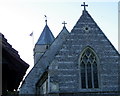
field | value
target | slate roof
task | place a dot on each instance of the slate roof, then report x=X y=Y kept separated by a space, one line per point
x=23 y=66
x=12 y=61
x=46 y=36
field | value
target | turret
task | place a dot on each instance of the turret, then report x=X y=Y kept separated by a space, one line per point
x=43 y=43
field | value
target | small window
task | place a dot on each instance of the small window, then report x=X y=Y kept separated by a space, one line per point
x=86 y=28
x=88 y=68
x=42 y=85
x=47 y=46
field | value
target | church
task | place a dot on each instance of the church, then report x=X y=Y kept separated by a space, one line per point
x=82 y=62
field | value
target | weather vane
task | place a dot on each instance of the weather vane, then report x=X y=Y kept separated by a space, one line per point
x=45 y=19
x=84 y=5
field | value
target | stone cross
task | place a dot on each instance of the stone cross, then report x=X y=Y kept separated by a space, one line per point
x=84 y=5
x=64 y=23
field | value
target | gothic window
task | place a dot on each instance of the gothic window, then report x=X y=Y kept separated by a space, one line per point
x=88 y=68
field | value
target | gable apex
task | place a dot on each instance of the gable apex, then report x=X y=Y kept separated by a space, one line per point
x=87 y=28
x=84 y=22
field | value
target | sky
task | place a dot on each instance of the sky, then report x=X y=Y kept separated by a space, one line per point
x=18 y=18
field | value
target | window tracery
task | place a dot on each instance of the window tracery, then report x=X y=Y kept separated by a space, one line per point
x=89 y=70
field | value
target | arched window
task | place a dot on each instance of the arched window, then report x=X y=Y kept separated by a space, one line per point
x=88 y=69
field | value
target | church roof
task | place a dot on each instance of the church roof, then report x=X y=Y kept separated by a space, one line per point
x=45 y=60
x=9 y=50
x=46 y=36
x=11 y=62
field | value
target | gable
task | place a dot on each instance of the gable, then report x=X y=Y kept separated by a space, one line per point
x=86 y=33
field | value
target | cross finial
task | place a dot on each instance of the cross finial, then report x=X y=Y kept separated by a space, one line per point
x=84 y=5
x=45 y=19
x=64 y=23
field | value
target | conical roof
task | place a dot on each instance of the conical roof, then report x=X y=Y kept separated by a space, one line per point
x=46 y=36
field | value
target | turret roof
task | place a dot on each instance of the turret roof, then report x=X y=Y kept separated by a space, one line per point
x=46 y=36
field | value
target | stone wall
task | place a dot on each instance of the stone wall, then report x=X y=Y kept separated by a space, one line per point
x=66 y=68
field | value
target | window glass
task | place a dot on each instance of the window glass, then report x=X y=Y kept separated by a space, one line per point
x=89 y=71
